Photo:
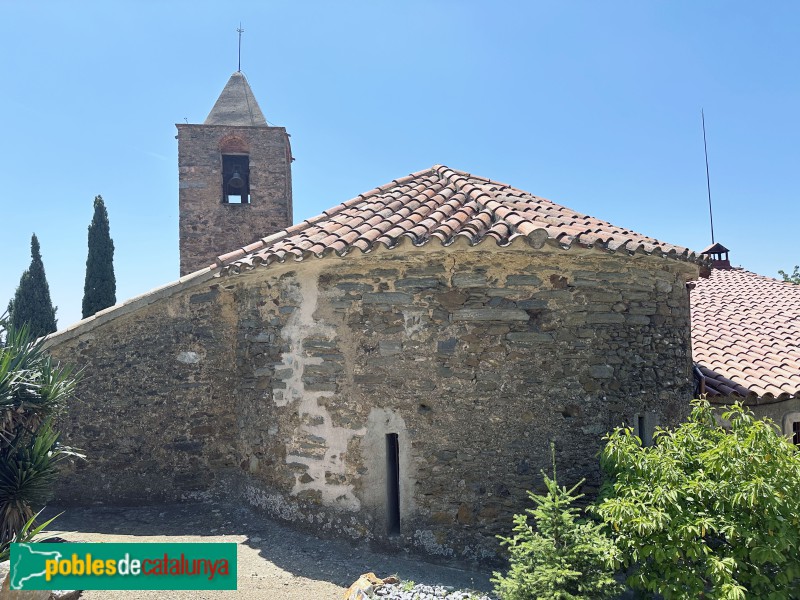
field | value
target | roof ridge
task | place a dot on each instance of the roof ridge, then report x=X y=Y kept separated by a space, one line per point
x=517 y=223
x=438 y=168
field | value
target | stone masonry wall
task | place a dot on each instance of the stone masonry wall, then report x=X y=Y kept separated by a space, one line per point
x=154 y=410
x=476 y=360
x=209 y=228
x=279 y=386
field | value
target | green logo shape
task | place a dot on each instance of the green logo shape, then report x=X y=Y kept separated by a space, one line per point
x=135 y=566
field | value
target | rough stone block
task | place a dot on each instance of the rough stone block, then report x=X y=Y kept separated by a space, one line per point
x=529 y=337
x=389 y=347
x=532 y=304
x=387 y=298
x=602 y=318
x=419 y=282
x=447 y=346
x=602 y=371
x=349 y=286
x=205 y=297
x=523 y=280
x=467 y=280
x=637 y=319
x=490 y=314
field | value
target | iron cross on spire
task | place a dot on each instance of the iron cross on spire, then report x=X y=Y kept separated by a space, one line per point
x=240 y=31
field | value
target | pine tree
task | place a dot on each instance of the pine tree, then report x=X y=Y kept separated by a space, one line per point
x=562 y=557
x=100 y=288
x=31 y=303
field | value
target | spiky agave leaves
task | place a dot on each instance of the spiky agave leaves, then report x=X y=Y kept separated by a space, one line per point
x=28 y=469
x=28 y=533
x=32 y=391
x=32 y=387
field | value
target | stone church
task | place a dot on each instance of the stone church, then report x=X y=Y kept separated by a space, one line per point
x=393 y=370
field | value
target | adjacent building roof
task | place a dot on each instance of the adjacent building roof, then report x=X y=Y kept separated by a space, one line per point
x=236 y=105
x=443 y=205
x=746 y=336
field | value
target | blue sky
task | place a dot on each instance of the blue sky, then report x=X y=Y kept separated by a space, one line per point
x=594 y=105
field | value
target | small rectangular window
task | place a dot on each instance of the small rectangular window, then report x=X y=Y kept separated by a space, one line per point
x=796 y=433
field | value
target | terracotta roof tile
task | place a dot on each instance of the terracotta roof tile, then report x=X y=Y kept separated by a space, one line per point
x=442 y=204
x=746 y=335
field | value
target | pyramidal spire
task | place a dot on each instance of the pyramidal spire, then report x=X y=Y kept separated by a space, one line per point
x=236 y=105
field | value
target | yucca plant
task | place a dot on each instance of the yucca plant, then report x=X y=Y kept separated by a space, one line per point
x=27 y=534
x=33 y=389
x=28 y=469
x=31 y=386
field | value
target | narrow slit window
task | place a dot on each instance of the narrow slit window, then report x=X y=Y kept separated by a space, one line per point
x=392 y=485
x=796 y=433
x=644 y=430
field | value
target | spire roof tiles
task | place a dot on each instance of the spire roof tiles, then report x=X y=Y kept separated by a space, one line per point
x=236 y=105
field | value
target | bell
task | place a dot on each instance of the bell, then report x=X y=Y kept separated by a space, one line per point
x=236 y=180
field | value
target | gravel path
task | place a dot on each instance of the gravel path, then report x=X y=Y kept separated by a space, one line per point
x=274 y=561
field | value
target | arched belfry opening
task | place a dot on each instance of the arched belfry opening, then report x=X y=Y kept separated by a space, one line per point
x=235 y=160
x=235 y=178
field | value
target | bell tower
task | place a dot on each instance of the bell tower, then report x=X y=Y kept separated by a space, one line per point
x=235 y=178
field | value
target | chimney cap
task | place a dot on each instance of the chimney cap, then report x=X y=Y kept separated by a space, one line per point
x=715 y=249
x=719 y=256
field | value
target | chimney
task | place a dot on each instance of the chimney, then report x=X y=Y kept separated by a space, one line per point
x=719 y=256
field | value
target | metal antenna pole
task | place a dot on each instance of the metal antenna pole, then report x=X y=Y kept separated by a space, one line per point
x=240 y=31
x=708 y=178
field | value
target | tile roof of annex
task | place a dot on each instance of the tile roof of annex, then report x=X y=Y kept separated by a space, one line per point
x=746 y=336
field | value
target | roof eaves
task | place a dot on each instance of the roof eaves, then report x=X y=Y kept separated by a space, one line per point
x=190 y=280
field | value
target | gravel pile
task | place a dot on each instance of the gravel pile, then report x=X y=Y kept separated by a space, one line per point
x=420 y=591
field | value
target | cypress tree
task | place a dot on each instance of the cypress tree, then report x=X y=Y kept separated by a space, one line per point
x=31 y=303
x=100 y=289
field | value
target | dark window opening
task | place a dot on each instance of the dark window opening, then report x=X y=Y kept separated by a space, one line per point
x=796 y=433
x=235 y=179
x=642 y=430
x=392 y=485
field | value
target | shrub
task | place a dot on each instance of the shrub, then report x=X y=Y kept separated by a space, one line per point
x=32 y=391
x=707 y=512
x=562 y=558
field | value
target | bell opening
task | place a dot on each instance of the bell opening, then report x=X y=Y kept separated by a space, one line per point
x=235 y=179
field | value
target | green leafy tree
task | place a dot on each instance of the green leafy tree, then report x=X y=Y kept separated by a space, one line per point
x=33 y=390
x=31 y=304
x=793 y=277
x=561 y=558
x=100 y=287
x=707 y=512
